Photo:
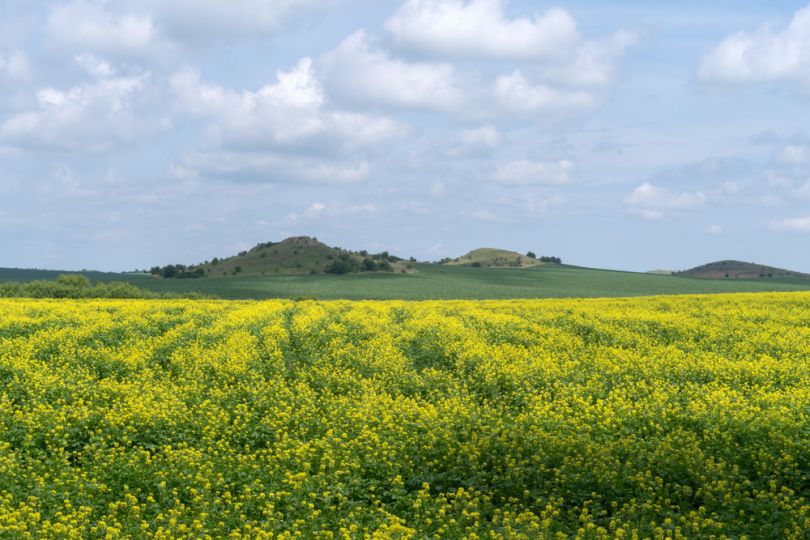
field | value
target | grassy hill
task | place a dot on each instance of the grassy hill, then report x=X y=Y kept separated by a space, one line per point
x=494 y=258
x=435 y=281
x=296 y=255
x=739 y=270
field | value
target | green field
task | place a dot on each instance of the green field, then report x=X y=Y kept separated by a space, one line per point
x=438 y=282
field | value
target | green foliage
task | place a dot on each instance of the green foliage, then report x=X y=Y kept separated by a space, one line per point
x=178 y=271
x=345 y=264
x=432 y=281
x=79 y=286
x=659 y=418
x=76 y=281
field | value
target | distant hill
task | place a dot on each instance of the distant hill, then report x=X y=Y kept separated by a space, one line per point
x=497 y=258
x=660 y=272
x=295 y=255
x=739 y=270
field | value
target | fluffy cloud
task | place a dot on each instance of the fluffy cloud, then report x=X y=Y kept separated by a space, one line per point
x=515 y=94
x=283 y=131
x=291 y=113
x=148 y=26
x=767 y=55
x=358 y=73
x=800 y=224
x=525 y=172
x=592 y=65
x=652 y=202
x=480 y=28
x=94 y=116
x=549 y=43
x=559 y=71
x=89 y=26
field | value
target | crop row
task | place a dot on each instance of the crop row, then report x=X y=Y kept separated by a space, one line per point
x=661 y=417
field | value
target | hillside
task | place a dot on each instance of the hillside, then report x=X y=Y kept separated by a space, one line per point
x=435 y=281
x=296 y=255
x=739 y=270
x=494 y=258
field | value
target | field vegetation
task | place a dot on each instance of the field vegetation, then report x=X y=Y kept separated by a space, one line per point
x=658 y=417
x=432 y=281
x=80 y=286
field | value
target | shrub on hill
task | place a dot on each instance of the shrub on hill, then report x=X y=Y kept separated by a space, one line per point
x=344 y=264
x=178 y=271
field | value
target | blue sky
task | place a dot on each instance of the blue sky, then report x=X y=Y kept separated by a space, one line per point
x=630 y=135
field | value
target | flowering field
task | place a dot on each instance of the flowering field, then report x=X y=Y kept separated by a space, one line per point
x=613 y=418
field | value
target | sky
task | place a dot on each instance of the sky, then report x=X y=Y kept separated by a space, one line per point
x=633 y=134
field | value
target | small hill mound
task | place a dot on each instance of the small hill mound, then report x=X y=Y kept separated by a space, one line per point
x=498 y=258
x=739 y=270
x=295 y=255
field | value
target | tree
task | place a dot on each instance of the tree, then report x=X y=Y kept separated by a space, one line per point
x=76 y=281
x=531 y=255
x=368 y=265
x=338 y=266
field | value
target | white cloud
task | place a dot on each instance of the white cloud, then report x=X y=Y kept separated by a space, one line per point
x=14 y=65
x=593 y=64
x=548 y=45
x=82 y=25
x=333 y=209
x=475 y=142
x=274 y=167
x=93 y=116
x=480 y=28
x=318 y=211
x=94 y=66
x=200 y=21
x=525 y=172
x=358 y=73
x=485 y=137
x=800 y=224
x=653 y=202
x=645 y=213
x=767 y=55
x=284 y=131
x=490 y=216
x=137 y=27
x=793 y=154
x=516 y=94
x=802 y=191
x=291 y=113
x=715 y=230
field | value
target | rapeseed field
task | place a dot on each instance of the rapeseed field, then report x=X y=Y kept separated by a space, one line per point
x=656 y=417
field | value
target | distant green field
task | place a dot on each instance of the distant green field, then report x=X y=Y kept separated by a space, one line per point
x=438 y=282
